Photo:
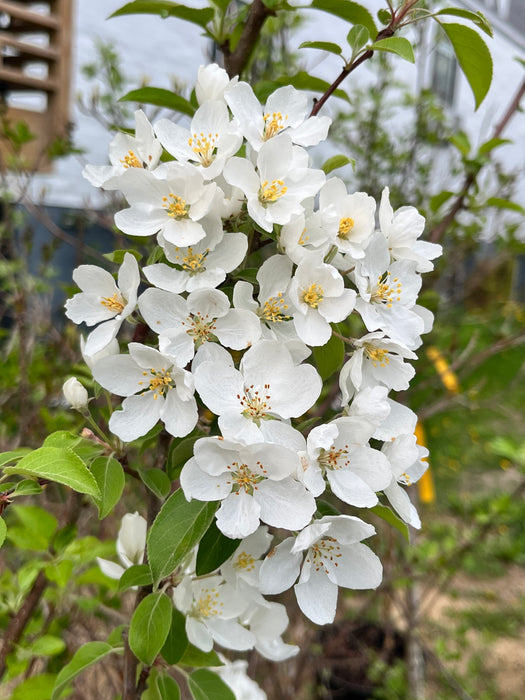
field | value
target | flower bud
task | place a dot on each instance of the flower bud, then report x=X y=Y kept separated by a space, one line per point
x=75 y=394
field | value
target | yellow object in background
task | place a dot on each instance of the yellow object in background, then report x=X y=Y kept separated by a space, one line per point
x=425 y=485
x=449 y=379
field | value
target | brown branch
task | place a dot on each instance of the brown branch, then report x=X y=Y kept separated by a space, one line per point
x=438 y=231
x=235 y=61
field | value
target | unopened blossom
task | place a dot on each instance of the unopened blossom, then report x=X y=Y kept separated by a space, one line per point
x=325 y=555
x=205 y=315
x=339 y=452
x=354 y=214
x=274 y=191
x=267 y=385
x=402 y=230
x=286 y=110
x=75 y=394
x=212 y=607
x=376 y=360
x=253 y=482
x=201 y=265
x=212 y=81
x=318 y=294
x=131 y=542
x=406 y=460
x=211 y=139
x=155 y=387
x=173 y=201
x=142 y=150
x=103 y=301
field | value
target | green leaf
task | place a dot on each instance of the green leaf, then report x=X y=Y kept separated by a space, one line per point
x=329 y=357
x=3 y=531
x=136 y=575
x=505 y=204
x=59 y=572
x=478 y=18
x=157 y=481
x=14 y=455
x=326 y=508
x=86 y=656
x=110 y=478
x=461 y=141
x=388 y=515
x=165 y=9
x=349 y=11
x=214 y=549
x=64 y=537
x=27 y=487
x=38 y=527
x=322 y=46
x=300 y=81
x=491 y=144
x=60 y=465
x=338 y=161
x=176 y=530
x=197 y=658
x=357 y=38
x=206 y=685
x=179 y=453
x=473 y=57
x=47 y=645
x=161 y=98
x=396 y=44
x=149 y=627
x=35 y=688
x=168 y=688
x=117 y=256
x=85 y=449
x=178 y=650
x=384 y=16
x=439 y=199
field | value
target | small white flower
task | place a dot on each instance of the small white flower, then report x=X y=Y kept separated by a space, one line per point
x=405 y=457
x=286 y=110
x=131 y=542
x=212 y=81
x=103 y=301
x=234 y=674
x=155 y=388
x=308 y=235
x=334 y=557
x=267 y=621
x=75 y=394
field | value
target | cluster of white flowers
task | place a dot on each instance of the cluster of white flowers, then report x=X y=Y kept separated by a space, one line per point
x=241 y=174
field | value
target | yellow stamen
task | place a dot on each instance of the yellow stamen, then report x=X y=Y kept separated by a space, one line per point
x=273 y=124
x=273 y=310
x=131 y=161
x=160 y=381
x=204 y=147
x=245 y=561
x=175 y=206
x=346 y=224
x=114 y=303
x=313 y=296
x=271 y=192
x=377 y=355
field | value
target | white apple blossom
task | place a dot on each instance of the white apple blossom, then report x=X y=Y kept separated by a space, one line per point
x=209 y=142
x=104 y=302
x=155 y=388
x=334 y=557
x=406 y=459
x=142 y=150
x=131 y=542
x=212 y=81
x=286 y=110
x=267 y=621
x=308 y=235
x=234 y=674
x=253 y=482
x=275 y=190
x=318 y=294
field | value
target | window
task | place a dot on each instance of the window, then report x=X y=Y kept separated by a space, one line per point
x=444 y=73
x=35 y=49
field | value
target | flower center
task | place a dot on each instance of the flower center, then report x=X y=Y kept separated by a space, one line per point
x=204 y=147
x=160 y=381
x=175 y=206
x=378 y=356
x=324 y=553
x=243 y=478
x=385 y=293
x=254 y=405
x=274 y=122
x=200 y=327
x=269 y=193
x=273 y=309
x=207 y=604
x=313 y=296
x=245 y=561
x=193 y=262
x=302 y=238
x=334 y=459
x=131 y=161
x=114 y=303
x=346 y=224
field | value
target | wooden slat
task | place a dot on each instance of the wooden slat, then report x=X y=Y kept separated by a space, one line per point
x=31 y=50
x=28 y=19
x=20 y=81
